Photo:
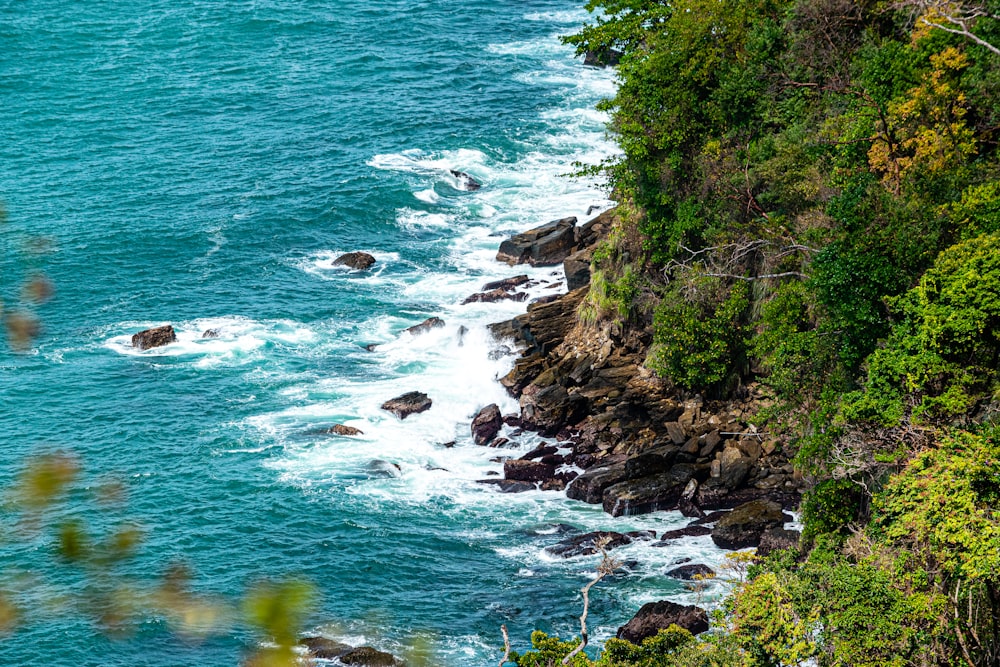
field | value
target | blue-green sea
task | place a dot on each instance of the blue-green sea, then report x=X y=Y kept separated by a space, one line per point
x=201 y=164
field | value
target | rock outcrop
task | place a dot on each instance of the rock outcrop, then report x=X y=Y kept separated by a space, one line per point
x=745 y=525
x=547 y=245
x=427 y=325
x=359 y=261
x=410 y=403
x=656 y=616
x=486 y=424
x=156 y=337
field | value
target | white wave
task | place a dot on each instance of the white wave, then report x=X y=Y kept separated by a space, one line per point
x=321 y=264
x=235 y=339
x=428 y=196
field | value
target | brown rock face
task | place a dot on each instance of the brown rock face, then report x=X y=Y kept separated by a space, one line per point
x=157 y=337
x=543 y=246
x=425 y=326
x=359 y=261
x=656 y=616
x=410 y=403
x=486 y=424
x=528 y=471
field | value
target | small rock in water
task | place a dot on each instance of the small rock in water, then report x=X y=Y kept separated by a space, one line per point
x=467 y=183
x=340 y=429
x=359 y=261
x=425 y=326
x=156 y=337
x=366 y=656
x=410 y=403
x=325 y=649
x=211 y=333
x=380 y=468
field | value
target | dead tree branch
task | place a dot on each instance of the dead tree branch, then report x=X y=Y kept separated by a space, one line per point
x=607 y=566
x=506 y=645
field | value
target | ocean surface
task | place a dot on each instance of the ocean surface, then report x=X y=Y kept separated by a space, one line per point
x=202 y=164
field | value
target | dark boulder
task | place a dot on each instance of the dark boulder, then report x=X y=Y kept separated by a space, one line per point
x=486 y=424
x=210 y=333
x=495 y=295
x=542 y=451
x=359 y=261
x=605 y=57
x=465 y=182
x=528 y=471
x=778 y=538
x=410 y=403
x=506 y=284
x=325 y=649
x=744 y=526
x=692 y=572
x=156 y=337
x=425 y=326
x=366 y=656
x=656 y=616
x=577 y=268
x=340 y=429
x=648 y=494
x=543 y=246
x=589 y=487
x=687 y=531
x=651 y=462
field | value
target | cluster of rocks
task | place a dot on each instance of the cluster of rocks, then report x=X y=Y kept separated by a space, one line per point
x=321 y=648
x=624 y=438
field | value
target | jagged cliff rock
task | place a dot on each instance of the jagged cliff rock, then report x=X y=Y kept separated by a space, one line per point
x=642 y=445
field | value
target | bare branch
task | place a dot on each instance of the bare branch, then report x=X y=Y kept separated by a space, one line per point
x=607 y=566
x=961 y=30
x=506 y=645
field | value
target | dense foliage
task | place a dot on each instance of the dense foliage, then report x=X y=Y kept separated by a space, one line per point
x=811 y=204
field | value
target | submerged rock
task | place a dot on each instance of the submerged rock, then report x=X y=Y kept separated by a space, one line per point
x=466 y=182
x=156 y=337
x=210 y=333
x=528 y=471
x=656 y=616
x=410 y=403
x=495 y=295
x=359 y=261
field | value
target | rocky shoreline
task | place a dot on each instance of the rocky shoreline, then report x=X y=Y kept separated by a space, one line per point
x=622 y=437
x=615 y=434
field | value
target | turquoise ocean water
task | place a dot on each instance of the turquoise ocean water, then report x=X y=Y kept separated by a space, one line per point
x=201 y=164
